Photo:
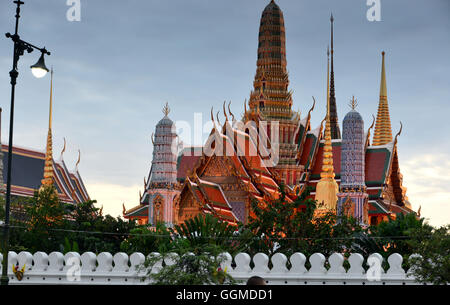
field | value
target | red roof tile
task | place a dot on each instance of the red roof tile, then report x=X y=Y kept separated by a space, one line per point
x=186 y=162
x=377 y=163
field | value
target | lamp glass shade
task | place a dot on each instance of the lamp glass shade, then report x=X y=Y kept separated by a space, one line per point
x=39 y=69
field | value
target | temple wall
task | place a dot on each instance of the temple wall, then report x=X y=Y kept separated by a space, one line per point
x=120 y=269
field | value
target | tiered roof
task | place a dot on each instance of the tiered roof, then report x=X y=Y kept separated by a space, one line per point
x=28 y=170
x=253 y=176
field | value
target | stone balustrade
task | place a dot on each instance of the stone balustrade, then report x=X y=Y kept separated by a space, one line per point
x=106 y=268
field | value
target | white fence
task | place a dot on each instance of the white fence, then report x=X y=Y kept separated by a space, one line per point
x=120 y=269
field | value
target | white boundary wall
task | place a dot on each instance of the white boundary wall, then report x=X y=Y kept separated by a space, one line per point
x=120 y=269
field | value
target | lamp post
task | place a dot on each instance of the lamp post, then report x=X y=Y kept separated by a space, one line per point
x=39 y=70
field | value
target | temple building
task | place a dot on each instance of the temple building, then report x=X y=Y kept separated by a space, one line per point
x=294 y=154
x=31 y=169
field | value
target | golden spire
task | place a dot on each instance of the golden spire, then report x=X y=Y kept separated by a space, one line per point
x=327 y=188
x=383 y=132
x=48 y=166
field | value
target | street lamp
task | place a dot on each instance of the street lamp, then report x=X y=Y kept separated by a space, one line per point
x=39 y=70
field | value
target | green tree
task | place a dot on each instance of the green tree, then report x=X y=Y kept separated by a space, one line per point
x=17 y=222
x=146 y=239
x=288 y=227
x=95 y=232
x=45 y=221
x=206 y=229
x=432 y=265
x=395 y=236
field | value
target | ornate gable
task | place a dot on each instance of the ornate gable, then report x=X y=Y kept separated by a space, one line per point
x=218 y=166
x=189 y=205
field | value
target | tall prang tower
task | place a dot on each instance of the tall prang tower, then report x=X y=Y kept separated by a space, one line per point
x=162 y=187
x=353 y=198
x=271 y=100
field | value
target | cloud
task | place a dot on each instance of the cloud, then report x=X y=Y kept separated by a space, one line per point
x=112 y=196
x=427 y=178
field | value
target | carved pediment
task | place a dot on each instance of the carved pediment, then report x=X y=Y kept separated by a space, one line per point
x=188 y=206
x=218 y=166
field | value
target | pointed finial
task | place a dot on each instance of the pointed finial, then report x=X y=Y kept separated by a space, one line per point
x=332 y=20
x=321 y=124
x=373 y=122
x=79 y=158
x=123 y=209
x=51 y=99
x=224 y=111
x=312 y=108
x=229 y=110
x=166 y=109
x=353 y=103
x=368 y=131
x=399 y=132
x=64 y=149
x=212 y=116
x=383 y=91
x=217 y=117
x=328 y=81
